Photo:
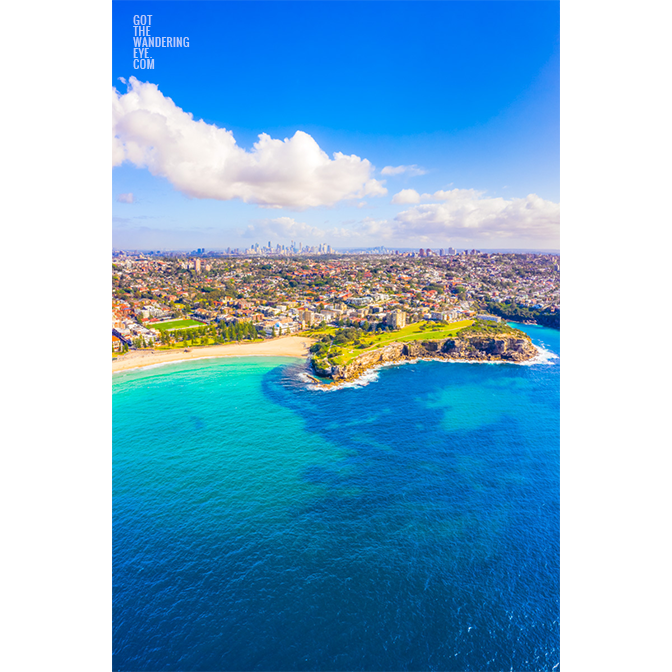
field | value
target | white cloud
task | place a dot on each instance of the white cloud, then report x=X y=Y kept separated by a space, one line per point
x=406 y=196
x=125 y=198
x=372 y=231
x=464 y=214
x=456 y=195
x=398 y=170
x=411 y=196
x=464 y=217
x=368 y=230
x=204 y=161
x=284 y=229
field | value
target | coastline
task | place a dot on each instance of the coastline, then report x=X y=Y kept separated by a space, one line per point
x=481 y=347
x=367 y=374
x=543 y=356
x=531 y=323
x=287 y=346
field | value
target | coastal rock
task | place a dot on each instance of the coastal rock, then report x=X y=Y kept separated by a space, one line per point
x=502 y=347
x=322 y=367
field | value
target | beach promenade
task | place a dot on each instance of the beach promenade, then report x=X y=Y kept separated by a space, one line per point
x=288 y=346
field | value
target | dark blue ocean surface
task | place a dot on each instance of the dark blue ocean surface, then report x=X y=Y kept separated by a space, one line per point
x=411 y=523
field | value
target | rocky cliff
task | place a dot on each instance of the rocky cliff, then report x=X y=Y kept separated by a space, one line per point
x=500 y=347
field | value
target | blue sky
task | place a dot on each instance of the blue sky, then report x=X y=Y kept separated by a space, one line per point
x=450 y=108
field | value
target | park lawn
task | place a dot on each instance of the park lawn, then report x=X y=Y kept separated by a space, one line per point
x=176 y=324
x=317 y=331
x=435 y=332
x=211 y=341
x=410 y=333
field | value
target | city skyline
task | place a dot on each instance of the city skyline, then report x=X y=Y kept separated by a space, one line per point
x=325 y=248
x=436 y=142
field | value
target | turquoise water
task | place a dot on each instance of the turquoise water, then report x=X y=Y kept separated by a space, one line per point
x=410 y=523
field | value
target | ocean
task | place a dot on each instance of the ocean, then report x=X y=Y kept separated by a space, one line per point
x=408 y=522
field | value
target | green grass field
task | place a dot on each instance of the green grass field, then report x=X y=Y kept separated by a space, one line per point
x=176 y=324
x=198 y=344
x=412 y=332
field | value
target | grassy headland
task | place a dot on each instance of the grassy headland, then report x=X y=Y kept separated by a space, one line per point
x=341 y=346
x=352 y=351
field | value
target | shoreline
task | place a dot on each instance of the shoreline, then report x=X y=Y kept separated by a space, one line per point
x=533 y=323
x=505 y=347
x=287 y=346
x=319 y=383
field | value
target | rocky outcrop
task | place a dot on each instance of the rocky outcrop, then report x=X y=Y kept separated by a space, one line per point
x=322 y=367
x=501 y=347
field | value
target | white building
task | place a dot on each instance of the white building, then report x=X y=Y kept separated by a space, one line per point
x=396 y=319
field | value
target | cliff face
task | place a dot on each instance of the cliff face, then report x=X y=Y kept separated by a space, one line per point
x=502 y=347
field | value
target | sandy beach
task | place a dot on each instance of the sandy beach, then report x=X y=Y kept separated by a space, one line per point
x=289 y=346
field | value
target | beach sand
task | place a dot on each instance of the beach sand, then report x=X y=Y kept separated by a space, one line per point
x=288 y=346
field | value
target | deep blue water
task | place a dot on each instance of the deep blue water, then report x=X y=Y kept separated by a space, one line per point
x=408 y=524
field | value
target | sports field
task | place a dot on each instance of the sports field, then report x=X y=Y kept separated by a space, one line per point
x=176 y=324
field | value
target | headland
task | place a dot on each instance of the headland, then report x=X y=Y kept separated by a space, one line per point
x=475 y=342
